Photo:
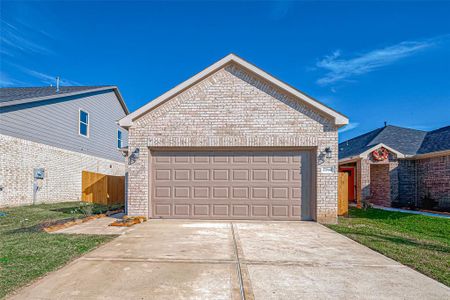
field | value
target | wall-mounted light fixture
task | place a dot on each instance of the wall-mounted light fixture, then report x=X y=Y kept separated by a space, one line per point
x=136 y=153
x=133 y=156
x=328 y=152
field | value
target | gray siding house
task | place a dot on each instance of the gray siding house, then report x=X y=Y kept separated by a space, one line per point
x=61 y=132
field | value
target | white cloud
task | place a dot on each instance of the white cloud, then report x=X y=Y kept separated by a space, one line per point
x=342 y=69
x=6 y=81
x=21 y=39
x=45 y=78
x=348 y=127
x=49 y=79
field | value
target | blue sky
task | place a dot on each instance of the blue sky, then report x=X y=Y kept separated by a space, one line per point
x=372 y=61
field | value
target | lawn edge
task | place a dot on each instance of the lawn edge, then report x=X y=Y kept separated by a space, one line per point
x=385 y=255
x=69 y=262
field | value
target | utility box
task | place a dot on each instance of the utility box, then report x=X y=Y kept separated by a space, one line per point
x=39 y=173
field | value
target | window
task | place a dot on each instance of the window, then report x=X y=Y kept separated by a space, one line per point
x=119 y=139
x=83 y=128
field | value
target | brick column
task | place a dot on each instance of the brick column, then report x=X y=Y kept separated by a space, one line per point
x=362 y=180
x=393 y=178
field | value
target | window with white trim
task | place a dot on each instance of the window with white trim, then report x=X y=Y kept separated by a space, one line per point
x=119 y=139
x=83 y=128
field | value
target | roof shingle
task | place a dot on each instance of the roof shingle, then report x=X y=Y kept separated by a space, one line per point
x=21 y=93
x=405 y=140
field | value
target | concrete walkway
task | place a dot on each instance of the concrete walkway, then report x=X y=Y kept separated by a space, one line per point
x=221 y=260
x=414 y=212
x=97 y=226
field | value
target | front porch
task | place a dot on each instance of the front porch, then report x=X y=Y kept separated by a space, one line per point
x=372 y=178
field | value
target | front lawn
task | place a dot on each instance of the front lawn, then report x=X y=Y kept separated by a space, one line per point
x=26 y=252
x=420 y=242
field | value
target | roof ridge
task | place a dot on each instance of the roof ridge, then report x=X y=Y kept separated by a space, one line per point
x=406 y=128
x=61 y=86
x=364 y=134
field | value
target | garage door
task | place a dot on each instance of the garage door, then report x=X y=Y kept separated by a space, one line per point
x=231 y=185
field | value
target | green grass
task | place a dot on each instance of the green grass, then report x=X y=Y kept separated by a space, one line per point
x=421 y=242
x=27 y=252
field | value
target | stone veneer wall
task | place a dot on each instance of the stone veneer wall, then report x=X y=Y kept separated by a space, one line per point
x=63 y=169
x=232 y=108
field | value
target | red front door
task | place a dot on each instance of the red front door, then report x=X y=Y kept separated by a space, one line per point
x=351 y=182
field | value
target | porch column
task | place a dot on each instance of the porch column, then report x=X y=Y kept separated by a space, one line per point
x=362 y=180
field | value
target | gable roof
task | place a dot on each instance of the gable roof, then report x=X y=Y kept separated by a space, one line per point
x=339 y=118
x=436 y=140
x=405 y=141
x=20 y=95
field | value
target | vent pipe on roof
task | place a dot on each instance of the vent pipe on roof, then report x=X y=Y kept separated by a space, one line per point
x=57 y=84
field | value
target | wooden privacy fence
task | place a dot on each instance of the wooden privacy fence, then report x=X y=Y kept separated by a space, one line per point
x=342 y=193
x=102 y=189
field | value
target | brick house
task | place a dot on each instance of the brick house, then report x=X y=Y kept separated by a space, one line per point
x=49 y=135
x=396 y=166
x=233 y=142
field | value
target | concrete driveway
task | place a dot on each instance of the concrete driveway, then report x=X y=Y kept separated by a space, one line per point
x=164 y=259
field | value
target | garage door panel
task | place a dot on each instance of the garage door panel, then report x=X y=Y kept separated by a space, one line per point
x=182 y=210
x=280 y=211
x=163 y=210
x=162 y=174
x=201 y=192
x=260 y=211
x=200 y=174
x=220 y=192
x=260 y=175
x=280 y=175
x=239 y=192
x=201 y=210
x=260 y=192
x=240 y=175
x=229 y=185
x=240 y=159
x=240 y=210
x=201 y=159
x=219 y=174
x=181 y=192
x=220 y=210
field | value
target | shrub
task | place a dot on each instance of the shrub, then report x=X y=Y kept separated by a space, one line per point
x=428 y=202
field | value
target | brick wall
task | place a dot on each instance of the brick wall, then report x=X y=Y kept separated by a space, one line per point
x=407 y=182
x=433 y=179
x=63 y=169
x=380 y=184
x=232 y=108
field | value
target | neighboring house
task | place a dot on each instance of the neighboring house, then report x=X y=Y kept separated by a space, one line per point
x=417 y=166
x=233 y=142
x=49 y=136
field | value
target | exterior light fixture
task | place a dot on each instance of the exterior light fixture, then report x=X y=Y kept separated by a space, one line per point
x=136 y=153
x=328 y=152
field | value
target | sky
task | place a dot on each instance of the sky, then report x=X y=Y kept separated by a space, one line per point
x=371 y=61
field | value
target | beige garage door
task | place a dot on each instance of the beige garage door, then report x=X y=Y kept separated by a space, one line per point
x=231 y=185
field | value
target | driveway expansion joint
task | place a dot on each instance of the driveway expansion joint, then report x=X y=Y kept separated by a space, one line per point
x=243 y=274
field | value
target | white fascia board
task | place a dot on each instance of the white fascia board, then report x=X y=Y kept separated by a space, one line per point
x=340 y=120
